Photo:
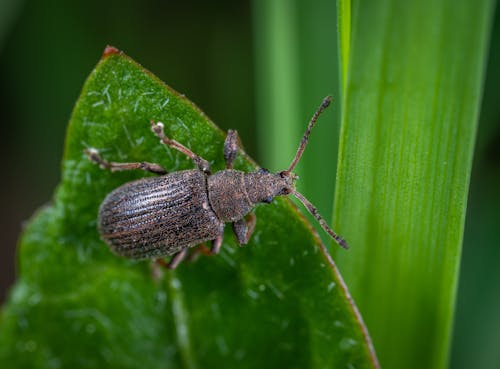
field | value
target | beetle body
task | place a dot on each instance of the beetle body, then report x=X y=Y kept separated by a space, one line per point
x=166 y=215
x=160 y=216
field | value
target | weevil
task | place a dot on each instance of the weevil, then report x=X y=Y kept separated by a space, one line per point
x=165 y=215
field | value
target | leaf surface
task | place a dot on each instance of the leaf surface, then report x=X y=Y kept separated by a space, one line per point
x=279 y=302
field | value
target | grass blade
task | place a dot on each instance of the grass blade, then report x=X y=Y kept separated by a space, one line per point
x=411 y=102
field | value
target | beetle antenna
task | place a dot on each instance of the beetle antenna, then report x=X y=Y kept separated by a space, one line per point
x=303 y=142
x=314 y=212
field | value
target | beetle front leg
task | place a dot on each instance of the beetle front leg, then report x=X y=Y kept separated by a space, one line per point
x=230 y=148
x=244 y=228
x=202 y=164
x=94 y=156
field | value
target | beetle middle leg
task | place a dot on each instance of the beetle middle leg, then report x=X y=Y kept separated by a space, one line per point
x=177 y=258
x=202 y=164
x=244 y=228
x=94 y=156
x=185 y=255
x=216 y=245
x=230 y=148
x=201 y=249
x=174 y=262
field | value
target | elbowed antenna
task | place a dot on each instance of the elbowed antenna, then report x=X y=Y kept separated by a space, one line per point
x=310 y=207
x=303 y=142
x=314 y=212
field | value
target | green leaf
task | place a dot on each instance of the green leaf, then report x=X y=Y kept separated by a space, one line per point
x=411 y=102
x=279 y=302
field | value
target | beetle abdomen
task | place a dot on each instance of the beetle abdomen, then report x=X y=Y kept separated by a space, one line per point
x=158 y=216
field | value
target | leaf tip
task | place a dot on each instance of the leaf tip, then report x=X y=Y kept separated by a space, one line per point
x=110 y=50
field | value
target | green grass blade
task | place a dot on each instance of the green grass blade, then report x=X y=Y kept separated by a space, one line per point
x=344 y=32
x=411 y=103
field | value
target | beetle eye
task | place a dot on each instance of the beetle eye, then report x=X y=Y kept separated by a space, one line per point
x=268 y=200
x=285 y=191
x=263 y=171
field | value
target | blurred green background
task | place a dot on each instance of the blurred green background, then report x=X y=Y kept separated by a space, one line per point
x=213 y=53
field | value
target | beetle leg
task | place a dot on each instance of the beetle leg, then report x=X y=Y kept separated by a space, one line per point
x=202 y=164
x=216 y=245
x=94 y=156
x=195 y=252
x=177 y=258
x=244 y=228
x=157 y=268
x=231 y=148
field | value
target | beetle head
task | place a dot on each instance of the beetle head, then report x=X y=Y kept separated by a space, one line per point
x=264 y=186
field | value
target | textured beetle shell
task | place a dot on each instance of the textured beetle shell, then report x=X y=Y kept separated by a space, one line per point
x=158 y=216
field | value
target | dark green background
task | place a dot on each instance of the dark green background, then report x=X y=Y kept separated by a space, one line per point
x=206 y=51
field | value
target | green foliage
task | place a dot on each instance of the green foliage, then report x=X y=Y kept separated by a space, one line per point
x=411 y=102
x=279 y=302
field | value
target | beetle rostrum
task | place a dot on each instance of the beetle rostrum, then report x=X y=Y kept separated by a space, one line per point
x=166 y=215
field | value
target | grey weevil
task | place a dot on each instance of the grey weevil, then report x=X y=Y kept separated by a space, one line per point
x=166 y=215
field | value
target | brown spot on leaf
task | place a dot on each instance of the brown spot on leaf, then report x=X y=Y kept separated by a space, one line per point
x=110 y=50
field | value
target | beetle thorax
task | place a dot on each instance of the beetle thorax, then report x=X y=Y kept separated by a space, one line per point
x=228 y=196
